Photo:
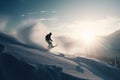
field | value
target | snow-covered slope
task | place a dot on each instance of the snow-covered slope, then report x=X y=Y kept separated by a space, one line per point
x=81 y=68
x=99 y=68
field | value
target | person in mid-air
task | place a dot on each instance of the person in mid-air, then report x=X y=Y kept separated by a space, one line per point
x=49 y=40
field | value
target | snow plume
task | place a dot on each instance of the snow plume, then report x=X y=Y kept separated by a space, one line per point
x=69 y=46
x=3 y=22
x=32 y=32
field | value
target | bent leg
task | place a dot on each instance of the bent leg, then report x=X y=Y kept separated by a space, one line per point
x=50 y=44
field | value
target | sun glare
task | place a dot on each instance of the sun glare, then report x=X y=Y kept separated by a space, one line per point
x=88 y=37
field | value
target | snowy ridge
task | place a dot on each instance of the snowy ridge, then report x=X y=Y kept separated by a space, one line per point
x=80 y=68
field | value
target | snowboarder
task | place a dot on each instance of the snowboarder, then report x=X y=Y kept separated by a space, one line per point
x=49 y=40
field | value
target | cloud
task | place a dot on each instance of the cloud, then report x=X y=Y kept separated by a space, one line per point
x=49 y=19
x=43 y=11
x=53 y=11
x=100 y=27
x=50 y=11
x=3 y=22
x=23 y=15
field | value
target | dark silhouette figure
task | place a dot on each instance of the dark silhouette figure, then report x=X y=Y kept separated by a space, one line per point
x=49 y=40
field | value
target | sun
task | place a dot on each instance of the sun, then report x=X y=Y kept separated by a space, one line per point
x=88 y=36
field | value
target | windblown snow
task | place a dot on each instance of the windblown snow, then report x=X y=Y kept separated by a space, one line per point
x=79 y=67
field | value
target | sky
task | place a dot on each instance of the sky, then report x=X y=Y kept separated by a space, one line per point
x=71 y=18
x=62 y=15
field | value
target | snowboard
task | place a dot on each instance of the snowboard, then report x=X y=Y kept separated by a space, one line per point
x=52 y=47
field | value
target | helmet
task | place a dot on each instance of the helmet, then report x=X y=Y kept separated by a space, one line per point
x=50 y=33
